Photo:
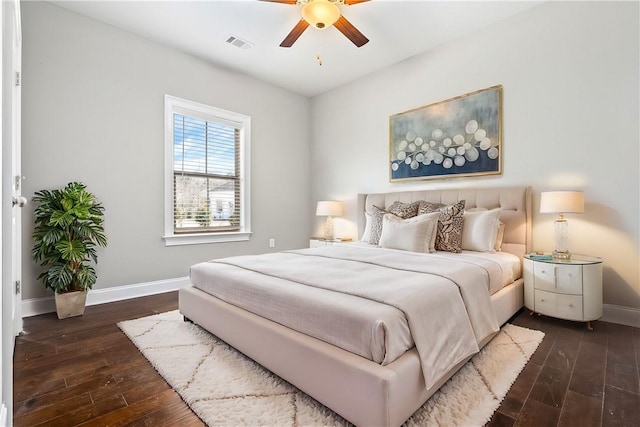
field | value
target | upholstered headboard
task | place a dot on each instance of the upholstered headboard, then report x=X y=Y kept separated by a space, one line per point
x=515 y=204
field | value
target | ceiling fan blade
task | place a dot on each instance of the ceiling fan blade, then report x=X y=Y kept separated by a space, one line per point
x=285 y=1
x=351 y=32
x=347 y=2
x=294 y=34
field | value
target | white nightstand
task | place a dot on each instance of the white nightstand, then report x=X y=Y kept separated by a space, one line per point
x=566 y=289
x=316 y=242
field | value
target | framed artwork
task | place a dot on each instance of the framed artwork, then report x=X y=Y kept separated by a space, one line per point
x=457 y=137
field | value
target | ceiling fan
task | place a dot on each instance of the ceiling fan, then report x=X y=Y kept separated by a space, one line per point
x=323 y=14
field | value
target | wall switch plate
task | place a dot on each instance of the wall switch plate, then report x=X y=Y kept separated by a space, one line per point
x=272 y=242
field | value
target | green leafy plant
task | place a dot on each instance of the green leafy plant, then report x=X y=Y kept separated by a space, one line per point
x=68 y=229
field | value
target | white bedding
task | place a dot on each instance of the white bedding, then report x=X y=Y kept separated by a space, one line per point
x=510 y=264
x=373 y=302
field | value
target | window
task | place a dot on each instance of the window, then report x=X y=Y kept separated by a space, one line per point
x=206 y=174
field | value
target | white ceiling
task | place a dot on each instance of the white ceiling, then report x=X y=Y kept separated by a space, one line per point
x=397 y=29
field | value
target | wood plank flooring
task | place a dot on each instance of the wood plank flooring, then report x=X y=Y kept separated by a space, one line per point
x=85 y=371
x=576 y=377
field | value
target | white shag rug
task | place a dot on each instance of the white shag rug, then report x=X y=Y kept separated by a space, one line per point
x=225 y=388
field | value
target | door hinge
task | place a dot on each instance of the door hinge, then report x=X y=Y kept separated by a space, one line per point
x=17 y=78
x=18 y=285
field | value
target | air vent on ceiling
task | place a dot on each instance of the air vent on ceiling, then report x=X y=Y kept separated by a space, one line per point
x=238 y=42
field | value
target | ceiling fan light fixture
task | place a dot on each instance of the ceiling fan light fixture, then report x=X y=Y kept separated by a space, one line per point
x=321 y=13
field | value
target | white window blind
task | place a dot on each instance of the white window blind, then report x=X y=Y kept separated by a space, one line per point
x=205 y=175
x=207 y=156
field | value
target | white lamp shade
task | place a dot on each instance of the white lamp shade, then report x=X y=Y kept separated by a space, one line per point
x=562 y=202
x=329 y=208
x=321 y=13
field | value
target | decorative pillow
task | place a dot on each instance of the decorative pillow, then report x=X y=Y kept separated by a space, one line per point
x=499 y=234
x=376 y=224
x=449 y=232
x=366 y=236
x=412 y=234
x=432 y=239
x=479 y=230
x=499 y=237
x=404 y=210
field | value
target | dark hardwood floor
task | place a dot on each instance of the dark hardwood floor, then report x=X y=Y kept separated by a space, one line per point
x=85 y=371
x=576 y=377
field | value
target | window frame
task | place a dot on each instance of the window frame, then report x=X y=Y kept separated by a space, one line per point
x=177 y=105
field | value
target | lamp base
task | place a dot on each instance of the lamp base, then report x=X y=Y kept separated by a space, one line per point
x=565 y=255
x=561 y=251
x=328 y=228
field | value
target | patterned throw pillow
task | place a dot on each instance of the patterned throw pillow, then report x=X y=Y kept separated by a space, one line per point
x=449 y=232
x=377 y=216
x=404 y=210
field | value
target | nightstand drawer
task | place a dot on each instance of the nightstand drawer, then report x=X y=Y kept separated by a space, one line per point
x=545 y=276
x=570 y=307
x=565 y=279
x=546 y=303
x=317 y=243
x=569 y=279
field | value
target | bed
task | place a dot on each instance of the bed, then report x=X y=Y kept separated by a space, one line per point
x=363 y=388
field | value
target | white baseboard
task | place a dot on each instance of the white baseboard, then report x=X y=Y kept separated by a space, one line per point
x=621 y=315
x=35 y=306
x=3 y=415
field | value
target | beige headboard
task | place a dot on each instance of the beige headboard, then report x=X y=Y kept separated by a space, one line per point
x=515 y=203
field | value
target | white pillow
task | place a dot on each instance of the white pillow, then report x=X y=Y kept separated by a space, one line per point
x=479 y=230
x=412 y=234
x=432 y=240
x=499 y=236
x=366 y=236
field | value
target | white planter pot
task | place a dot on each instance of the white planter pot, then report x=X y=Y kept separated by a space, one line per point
x=71 y=304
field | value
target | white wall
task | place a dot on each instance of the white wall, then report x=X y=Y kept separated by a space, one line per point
x=93 y=112
x=571 y=121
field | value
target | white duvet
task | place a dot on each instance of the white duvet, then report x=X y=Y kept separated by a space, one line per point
x=372 y=301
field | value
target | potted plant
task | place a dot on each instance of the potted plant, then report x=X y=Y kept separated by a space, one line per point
x=68 y=229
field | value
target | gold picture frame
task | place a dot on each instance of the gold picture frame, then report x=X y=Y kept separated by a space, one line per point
x=454 y=138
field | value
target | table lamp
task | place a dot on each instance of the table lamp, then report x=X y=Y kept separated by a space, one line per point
x=329 y=209
x=562 y=202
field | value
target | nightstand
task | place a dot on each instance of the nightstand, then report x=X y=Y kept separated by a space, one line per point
x=316 y=242
x=567 y=289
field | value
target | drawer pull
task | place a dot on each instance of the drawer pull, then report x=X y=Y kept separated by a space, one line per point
x=571 y=305
x=541 y=299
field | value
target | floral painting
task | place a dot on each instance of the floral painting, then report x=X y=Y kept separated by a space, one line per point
x=458 y=137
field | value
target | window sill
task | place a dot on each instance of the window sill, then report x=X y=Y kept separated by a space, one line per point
x=203 y=238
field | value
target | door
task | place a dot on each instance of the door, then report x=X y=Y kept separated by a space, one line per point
x=17 y=201
x=11 y=199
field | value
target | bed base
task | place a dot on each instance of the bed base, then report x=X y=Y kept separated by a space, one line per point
x=363 y=392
